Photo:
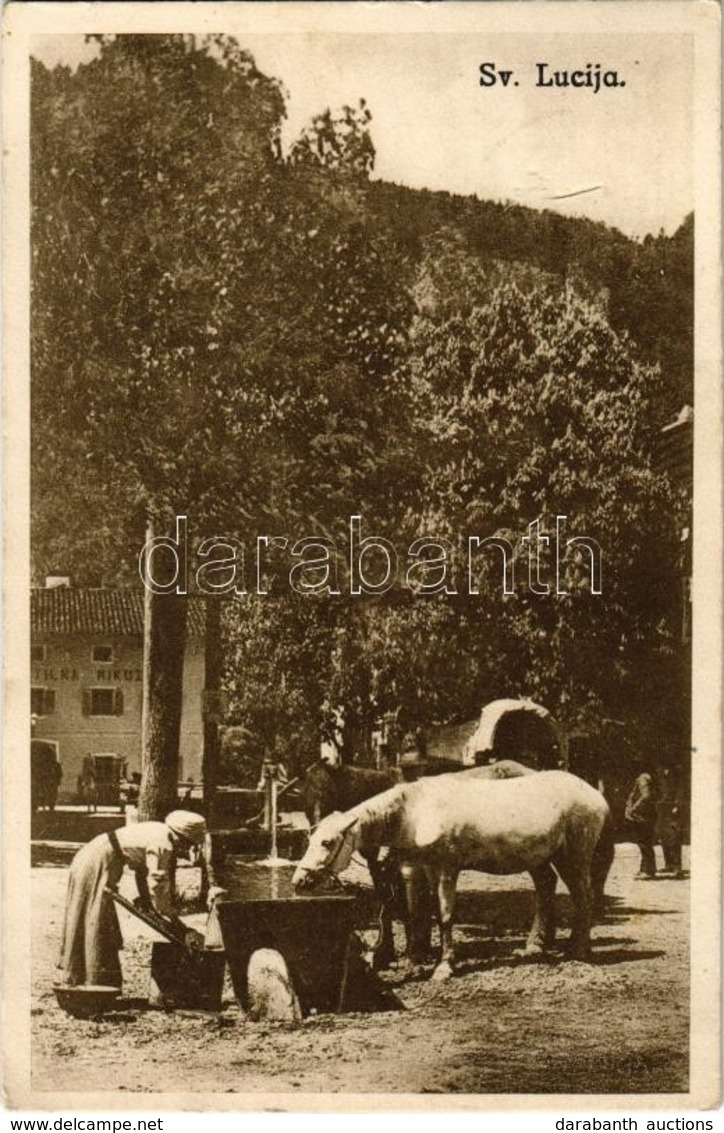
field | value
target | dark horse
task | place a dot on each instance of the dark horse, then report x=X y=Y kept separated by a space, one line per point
x=326 y=789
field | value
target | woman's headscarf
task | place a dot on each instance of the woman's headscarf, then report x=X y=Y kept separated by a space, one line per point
x=190 y=826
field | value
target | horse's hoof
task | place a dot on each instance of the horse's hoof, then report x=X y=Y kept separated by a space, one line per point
x=442 y=972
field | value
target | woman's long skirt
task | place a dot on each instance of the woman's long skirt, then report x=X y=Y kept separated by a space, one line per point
x=91 y=933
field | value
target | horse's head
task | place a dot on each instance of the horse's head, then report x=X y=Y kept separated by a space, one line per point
x=330 y=849
x=319 y=793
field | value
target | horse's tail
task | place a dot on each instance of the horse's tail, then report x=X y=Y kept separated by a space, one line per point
x=601 y=863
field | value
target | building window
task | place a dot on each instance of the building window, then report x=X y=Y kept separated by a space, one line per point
x=42 y=701
x=38 y=652
x=102 y=653
x=103 y=702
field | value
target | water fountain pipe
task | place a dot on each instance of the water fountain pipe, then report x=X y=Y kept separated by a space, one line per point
x=260 y=815
x=266 y=822
x=273 y=816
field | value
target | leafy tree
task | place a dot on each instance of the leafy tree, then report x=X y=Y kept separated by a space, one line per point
x=209 y=322
x=530 y=407
x=151 y=181
x=222 y=333
x=277 y=671
x=648 y=285
x=340 y=142
x=654 y=300
x=523 y=405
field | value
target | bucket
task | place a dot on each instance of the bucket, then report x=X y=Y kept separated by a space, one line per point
x=87 y=1000
x=179 y=978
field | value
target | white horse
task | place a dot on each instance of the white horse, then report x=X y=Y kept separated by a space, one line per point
x=463 y=821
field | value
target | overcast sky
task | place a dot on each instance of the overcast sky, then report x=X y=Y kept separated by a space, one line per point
x=623 y=156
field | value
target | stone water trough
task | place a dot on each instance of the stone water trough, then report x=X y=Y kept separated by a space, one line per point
x=290 y=956
x=287 y=955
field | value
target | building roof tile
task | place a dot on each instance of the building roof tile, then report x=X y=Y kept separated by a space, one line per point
x=114 y=613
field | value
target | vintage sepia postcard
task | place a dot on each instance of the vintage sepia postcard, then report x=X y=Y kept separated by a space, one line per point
x=362 y=573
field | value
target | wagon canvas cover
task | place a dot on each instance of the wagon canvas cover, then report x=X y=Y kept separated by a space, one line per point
x=362 y=371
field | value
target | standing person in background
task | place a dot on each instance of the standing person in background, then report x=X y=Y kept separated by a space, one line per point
x=669 y=820
x=641 y=814
x=88 y=784
x=91 y=933
x=411 y=759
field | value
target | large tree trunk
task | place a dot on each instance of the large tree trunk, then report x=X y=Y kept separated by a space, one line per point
x=164 y=641
x=212 y=700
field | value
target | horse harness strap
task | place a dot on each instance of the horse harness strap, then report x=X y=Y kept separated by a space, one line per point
x=329 y=867
x=116 y=847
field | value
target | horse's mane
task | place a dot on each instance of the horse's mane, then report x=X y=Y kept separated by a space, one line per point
x=381 y=813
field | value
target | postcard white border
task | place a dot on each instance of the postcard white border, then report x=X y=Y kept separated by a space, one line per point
x=700 y=19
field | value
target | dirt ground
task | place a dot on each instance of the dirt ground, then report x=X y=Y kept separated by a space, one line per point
x=503 y=1024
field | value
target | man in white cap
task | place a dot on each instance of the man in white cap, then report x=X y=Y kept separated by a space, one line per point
x=91 y=933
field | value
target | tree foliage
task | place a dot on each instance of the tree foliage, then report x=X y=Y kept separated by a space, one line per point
x=524 y=404
x=271 y=344
x=647 y=285
x=530 y=406
x=277 y=669
x=341 y=142
x=203 y=313
x=215 y=331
